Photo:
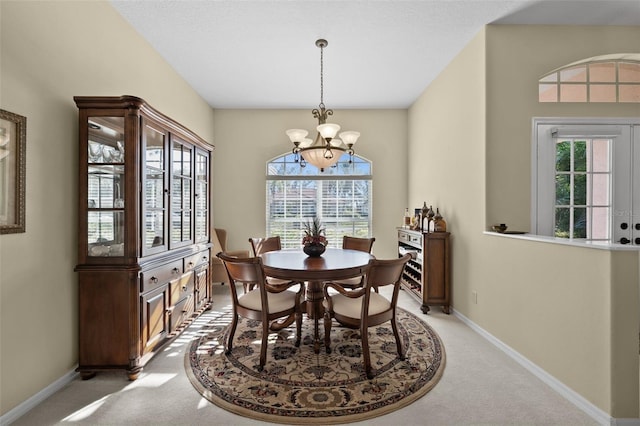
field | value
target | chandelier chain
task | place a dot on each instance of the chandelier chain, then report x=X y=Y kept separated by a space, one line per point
x=321 y=77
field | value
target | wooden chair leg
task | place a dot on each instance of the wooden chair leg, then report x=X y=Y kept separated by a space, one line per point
x=263 y=346
x=327 y=332
x=365 y=352
x=232 y=332
x=394 y=326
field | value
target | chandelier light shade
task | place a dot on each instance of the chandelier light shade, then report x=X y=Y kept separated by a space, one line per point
x=326 y=149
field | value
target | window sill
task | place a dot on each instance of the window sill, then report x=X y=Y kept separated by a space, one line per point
x=563 y=241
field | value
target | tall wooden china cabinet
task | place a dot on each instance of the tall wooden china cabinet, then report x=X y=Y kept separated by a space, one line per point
x=143 y=243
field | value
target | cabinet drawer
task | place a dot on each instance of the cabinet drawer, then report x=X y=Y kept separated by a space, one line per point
x=403 y=236
x=411 y=239
x=191 y=262
x=156 y=277
x=181 y=312
x=181 y=288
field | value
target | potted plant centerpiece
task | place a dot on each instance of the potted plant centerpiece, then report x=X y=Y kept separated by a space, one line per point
x=314 y=241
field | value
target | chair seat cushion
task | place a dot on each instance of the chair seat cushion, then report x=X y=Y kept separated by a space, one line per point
x=277 y=281
x=278 y=302
x=350 y=282
x=352 y=308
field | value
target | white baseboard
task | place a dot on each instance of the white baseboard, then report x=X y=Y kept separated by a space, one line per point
x=578 y=400
x=20 y=410
x=626 y=422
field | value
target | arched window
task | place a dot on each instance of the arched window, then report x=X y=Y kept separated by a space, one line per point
x=340 y=196
x=607 y=78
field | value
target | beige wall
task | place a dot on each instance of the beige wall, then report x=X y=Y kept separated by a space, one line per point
x=446 y=149
x=517 y=56
x=571 y=311
x=247 y=139
x=52 y=51
x=511 y=104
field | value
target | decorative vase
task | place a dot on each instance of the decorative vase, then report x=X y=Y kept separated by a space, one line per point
x=314 y=250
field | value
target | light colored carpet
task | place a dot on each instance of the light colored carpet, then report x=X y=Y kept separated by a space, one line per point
x=480 y=386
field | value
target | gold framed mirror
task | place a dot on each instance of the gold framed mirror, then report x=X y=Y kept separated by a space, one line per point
x=13 y=141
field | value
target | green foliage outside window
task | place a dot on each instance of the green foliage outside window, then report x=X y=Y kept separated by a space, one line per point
x=571 y=189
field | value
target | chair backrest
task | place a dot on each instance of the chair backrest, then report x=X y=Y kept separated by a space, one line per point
x=244 y=270
x=221 y=235
x=263 y=245
x=383 y=272
x=354 y=243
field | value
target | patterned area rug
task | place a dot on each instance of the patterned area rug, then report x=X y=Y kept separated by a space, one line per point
x=298 y=386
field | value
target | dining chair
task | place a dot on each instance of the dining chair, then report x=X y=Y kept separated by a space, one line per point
x=264 y=245
x=363 y=308
x=360 y=244
x=265 y=303
x=219 y=241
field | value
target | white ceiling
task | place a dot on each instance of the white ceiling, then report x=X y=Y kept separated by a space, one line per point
x=381 y=53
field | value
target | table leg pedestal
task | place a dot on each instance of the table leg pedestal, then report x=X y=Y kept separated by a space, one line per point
x=315 y=310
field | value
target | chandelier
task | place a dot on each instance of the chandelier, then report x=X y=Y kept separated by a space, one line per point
x=326 y=149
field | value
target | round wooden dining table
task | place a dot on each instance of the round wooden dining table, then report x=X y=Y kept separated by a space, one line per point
x=334 y=264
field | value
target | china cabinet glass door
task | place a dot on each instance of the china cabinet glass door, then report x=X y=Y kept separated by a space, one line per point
x=105 y=187
x=202 y=197
x=155 y=190
x=181 y=193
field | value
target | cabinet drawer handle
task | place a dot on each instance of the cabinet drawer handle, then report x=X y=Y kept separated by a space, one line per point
x=204 y=257
x=191 y=264
x=184 y=288
x=175 y=270
x=153 y=280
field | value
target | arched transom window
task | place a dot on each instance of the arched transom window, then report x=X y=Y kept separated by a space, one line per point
x=340 y=196
x=608 y=78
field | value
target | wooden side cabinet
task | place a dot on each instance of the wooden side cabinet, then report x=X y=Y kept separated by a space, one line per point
x=144 y=247
x=427 y=276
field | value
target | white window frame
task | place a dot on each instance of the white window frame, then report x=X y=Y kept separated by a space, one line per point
x=625 y=198
x=334 y=229
x=555 y=78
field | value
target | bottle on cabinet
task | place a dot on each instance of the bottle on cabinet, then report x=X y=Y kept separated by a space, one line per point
x=427 y=214
x=423 y=216
x=440 y=225
x=407 y=218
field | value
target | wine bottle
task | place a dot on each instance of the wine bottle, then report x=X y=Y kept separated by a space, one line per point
x=440 y=224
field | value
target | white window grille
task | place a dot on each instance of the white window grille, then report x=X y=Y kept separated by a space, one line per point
x=340 y=197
